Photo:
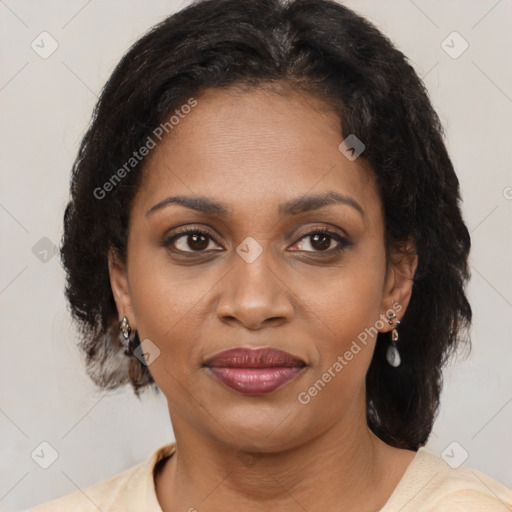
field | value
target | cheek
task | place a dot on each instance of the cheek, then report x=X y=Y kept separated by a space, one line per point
x=170 y=308
x=161 y=292
x=167 y=314
x=348 y=300
x=344 y=348
x=346 y=311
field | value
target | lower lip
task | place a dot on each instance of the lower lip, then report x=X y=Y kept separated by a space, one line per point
x=255 y=381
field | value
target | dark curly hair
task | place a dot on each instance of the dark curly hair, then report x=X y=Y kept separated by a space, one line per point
x=318 y=47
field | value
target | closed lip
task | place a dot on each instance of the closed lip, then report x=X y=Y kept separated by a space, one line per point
x=242 y=357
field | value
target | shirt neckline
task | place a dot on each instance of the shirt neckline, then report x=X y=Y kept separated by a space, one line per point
x=397 y=495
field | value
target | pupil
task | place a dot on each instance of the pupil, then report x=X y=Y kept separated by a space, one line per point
x=202 y=244
x=325 y=244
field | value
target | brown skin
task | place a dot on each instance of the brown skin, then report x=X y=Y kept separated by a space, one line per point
x=254 y=150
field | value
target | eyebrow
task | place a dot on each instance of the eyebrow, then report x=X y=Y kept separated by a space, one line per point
x=292 y=207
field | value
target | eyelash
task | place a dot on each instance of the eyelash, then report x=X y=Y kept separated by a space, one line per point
x=343 y=242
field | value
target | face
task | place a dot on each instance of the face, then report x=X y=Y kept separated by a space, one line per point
x=262 y=265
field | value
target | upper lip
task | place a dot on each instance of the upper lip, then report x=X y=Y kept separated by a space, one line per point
x=241 y=357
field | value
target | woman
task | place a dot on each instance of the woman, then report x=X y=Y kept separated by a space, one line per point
x=264 y=224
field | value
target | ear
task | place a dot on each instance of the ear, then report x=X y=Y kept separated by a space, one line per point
x=398 y=284
x=120 y=288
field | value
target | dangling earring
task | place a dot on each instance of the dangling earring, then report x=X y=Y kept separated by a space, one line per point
x=126 y=336
x=392 y=354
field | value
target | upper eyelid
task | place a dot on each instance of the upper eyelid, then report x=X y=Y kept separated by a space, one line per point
x=331 y=230
x=208 y=231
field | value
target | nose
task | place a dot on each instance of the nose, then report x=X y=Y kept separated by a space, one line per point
x=254 y=295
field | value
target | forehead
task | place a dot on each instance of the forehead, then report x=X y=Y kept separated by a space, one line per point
x=252 y=148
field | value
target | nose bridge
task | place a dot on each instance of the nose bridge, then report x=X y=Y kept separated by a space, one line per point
x=252 y=291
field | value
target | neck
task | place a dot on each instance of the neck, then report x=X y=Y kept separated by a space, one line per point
x=211 y=475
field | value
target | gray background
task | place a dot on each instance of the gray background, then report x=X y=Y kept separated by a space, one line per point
x=46 y=105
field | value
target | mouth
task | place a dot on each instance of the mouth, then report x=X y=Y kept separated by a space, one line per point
x=254 y=371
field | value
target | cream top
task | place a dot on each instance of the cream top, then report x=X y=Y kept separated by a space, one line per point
x=428 y=485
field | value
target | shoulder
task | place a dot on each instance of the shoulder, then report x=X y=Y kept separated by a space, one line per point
x=132 y=489
x=431 y=485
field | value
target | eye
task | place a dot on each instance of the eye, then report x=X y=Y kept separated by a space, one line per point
x=189 y=240
x=323 y=241
x=195 y=240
